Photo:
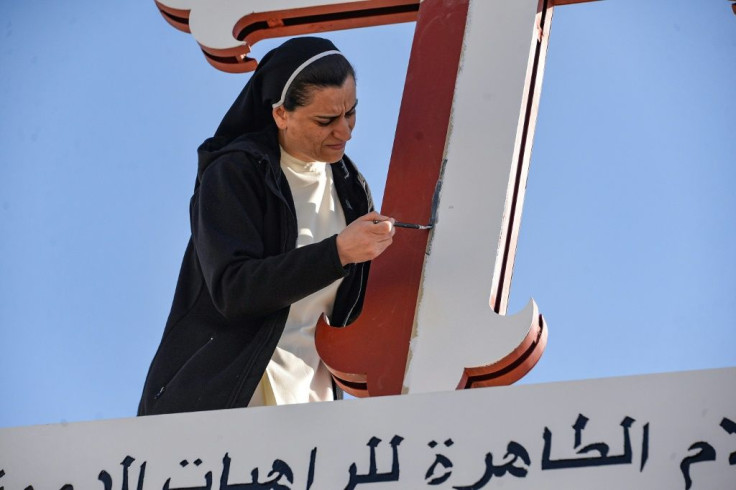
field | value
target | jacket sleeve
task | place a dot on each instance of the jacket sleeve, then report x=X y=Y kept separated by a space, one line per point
x=229 y=221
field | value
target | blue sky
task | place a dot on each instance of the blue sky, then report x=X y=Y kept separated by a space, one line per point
x=627 y=233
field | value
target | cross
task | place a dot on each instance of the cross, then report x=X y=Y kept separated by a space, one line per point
x=434 y=315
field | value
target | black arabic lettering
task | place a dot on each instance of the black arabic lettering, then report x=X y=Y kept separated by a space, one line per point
x=279 y=470
x=706 y=453
x=310 y=473
x=517 y=451
x=184 y=463
x=602 y=449
x=729 y=426
x=141 y=473
x=487 y=475
x=106 y=479
x=439 y=460
x=644 y=446
x=514 y=451
x=373 y=476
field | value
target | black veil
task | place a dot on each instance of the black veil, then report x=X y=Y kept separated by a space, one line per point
x=252 y=110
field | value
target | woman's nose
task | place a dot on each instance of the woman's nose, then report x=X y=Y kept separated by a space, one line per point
x=343 y=130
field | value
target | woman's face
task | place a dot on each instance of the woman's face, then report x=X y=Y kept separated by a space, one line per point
x=319 y=130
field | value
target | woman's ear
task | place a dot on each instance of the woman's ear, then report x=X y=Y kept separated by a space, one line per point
x=279 y=116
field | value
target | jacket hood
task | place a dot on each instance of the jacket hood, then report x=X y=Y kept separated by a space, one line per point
x=262 y=145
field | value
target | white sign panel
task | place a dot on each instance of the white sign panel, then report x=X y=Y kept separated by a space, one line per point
x=668 y=431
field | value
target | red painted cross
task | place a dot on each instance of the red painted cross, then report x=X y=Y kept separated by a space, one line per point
x=370 y=356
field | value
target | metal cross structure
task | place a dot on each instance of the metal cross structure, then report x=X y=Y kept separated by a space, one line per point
x=434 y=316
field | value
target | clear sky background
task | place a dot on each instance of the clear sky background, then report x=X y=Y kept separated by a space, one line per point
x=626 y=240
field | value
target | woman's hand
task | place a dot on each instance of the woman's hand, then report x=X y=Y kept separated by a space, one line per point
x=365 y=238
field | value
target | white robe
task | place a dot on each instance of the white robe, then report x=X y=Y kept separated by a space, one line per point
x=295 y=373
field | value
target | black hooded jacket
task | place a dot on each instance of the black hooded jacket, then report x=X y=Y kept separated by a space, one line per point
x=241 y=272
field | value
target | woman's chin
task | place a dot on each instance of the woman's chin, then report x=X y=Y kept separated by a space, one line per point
x=332 y=156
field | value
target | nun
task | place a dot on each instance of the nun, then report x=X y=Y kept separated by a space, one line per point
x=282 y=230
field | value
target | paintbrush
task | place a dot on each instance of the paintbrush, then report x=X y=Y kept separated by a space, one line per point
x=414 y=226
x=401 y=224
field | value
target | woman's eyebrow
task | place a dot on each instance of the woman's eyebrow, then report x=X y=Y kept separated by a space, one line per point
x=330 y=117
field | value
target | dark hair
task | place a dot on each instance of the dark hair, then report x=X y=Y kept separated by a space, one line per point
x=330 y=71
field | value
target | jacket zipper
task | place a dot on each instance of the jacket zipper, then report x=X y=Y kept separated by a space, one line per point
x=360 y=279
x=196 y=354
